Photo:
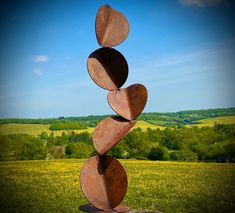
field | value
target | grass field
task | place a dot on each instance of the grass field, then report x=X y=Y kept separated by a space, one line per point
x=36 y=129
x=212 y=121
x=53 y=186
x=144 y=125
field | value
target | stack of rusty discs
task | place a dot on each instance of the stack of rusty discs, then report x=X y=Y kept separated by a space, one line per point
x=103 y=178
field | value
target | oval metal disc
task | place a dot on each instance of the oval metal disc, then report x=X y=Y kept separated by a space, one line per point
x=111 y=27
x=108 y=68
x=128 y=102
x=103 y=182
x=109 y=132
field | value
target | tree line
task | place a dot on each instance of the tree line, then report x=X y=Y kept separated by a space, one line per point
x=182 y=144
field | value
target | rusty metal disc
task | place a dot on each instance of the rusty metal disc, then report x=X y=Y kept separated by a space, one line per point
x=103 y=182
x=128 y=102
x=108 y=68
x=109 y=132
x=111 y=27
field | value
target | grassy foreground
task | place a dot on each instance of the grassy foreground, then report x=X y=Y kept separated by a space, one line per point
x=53 y=186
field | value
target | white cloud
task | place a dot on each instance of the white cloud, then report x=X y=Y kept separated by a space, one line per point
x=201 y=3
x=205 y=64
x=40 y=58
x=37 y=72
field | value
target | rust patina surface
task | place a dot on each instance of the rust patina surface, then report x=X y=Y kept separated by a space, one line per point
x=111 y=27
x=103 y=182
x=128 y=102
x=108 y=68
x=109 y=132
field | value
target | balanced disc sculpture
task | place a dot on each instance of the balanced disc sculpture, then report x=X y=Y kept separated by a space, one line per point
x=103 y=179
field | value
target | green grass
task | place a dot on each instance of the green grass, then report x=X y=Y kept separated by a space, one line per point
x=157 y=122
x=211 y=121
x=144 y=125
x=53 y=186
x=36 y=129
x=33 y=129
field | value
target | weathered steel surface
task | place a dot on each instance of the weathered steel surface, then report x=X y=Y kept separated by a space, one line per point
x=109 y=132
x=103 y=181
x=128 y=102
x=111 y=27
x=108 y=68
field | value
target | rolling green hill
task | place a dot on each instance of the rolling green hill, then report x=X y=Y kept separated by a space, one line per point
x=154 y=120
x=219 y=120
x=37 y=129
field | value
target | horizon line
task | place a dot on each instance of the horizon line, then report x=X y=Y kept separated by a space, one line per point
x=233 y=107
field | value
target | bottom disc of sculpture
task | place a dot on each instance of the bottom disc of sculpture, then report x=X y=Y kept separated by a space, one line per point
x=103 y=182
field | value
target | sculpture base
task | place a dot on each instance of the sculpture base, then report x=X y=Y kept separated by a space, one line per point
x=89 y=208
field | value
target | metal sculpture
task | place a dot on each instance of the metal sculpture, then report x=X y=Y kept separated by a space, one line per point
x=103 y=179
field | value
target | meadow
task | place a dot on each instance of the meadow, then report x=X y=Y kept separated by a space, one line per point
x=53 y=186
x=36 y=129
x=211 y=121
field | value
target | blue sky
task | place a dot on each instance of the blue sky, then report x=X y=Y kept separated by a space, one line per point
x=183 y=51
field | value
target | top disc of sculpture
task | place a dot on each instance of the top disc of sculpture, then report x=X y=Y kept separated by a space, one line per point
x=111 y=27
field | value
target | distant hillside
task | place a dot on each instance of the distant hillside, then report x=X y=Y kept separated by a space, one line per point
x=185 y=117
x=218 y=120
x=169 y=119
x=37 y=129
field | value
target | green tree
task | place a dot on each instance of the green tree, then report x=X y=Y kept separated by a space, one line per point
x=158 y=153
x=6 y=148
x=183 y=155
x=138 y=144
x=121 y=150
x=230 y=152
x=79 y=150
x=33 y=149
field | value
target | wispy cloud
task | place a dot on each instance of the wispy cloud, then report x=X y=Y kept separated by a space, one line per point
x=205 y=64
x=201 y=3
x=37 y=72
x=40 y=58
